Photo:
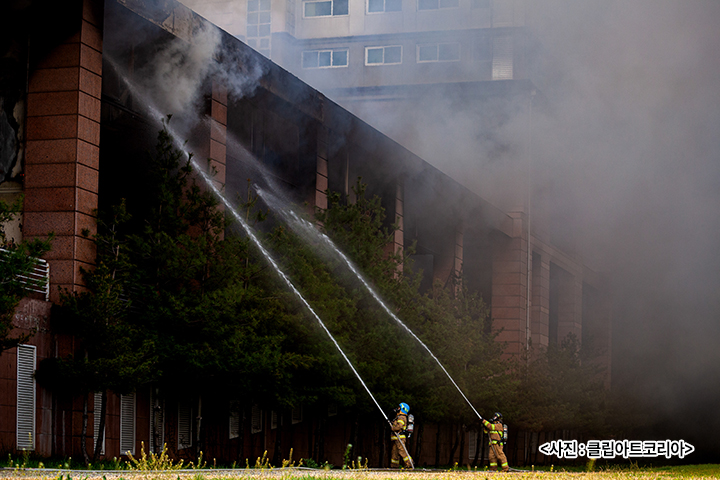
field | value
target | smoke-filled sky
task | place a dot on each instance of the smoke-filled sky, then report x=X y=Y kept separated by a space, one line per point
x=633 y=148
x=626 y=169
x=626 y=163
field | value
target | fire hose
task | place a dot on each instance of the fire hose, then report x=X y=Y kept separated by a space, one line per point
x=402 y=444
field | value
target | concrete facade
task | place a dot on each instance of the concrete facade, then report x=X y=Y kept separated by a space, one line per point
x=482 y=34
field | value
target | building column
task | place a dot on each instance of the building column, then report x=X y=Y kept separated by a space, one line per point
x=508 y=306
x=399 y=238
x=63 y=140
x=218 y=133
x=321 y=175
x=210 y=136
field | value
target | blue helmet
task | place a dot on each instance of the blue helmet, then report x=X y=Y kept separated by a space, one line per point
x=404 y=408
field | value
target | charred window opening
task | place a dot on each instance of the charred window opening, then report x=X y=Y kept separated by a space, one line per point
x=477 y=263
x=592 y=323
x=554 y=304
x=269 y=145
x=339 y=167
x=13 y=74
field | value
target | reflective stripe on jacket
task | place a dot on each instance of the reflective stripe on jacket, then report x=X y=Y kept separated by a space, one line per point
x=494 y=431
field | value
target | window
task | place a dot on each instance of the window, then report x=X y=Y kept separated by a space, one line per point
x=438 y=52
x=258 y=26
x=97 y=416
x=383 y=55
x=437 y=4
x=185 y=424
x=26 y=357
x=381 y=6
x=274 y=420
x=326 y=8
x=325 y=58
x=127 y=424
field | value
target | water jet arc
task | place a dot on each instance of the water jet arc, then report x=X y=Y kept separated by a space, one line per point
x=249 y=231
x=304 y=227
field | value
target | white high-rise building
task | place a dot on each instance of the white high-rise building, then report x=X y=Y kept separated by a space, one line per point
x=448 y=79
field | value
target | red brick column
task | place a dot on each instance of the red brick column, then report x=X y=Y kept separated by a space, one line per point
x=63 y=146
x=218 y=132
x=509 y=286
x=459 y=254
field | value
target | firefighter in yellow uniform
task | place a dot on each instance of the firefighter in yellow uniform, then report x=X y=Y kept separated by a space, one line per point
x=497 y=436
x=398 y=437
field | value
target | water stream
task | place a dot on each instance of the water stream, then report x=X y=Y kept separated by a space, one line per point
x=156 y=115
x=307 y=229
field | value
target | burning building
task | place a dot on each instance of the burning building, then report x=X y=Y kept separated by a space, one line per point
x=72 y=128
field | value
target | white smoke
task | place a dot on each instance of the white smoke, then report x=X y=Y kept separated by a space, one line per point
x=177 y=76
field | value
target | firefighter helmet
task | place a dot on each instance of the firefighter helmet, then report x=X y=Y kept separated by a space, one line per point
x=497 y=416
x=404 y=408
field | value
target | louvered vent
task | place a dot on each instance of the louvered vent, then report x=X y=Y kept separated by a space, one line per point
x=184 y=425
x=234 y=424
x=502 y=62
x=97 y=415
x=256 y=420
x=127 y=424
x=472 y=444
x=26 y=355
x=297 y=415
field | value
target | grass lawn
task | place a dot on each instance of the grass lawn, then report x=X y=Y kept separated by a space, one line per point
x=709 y=471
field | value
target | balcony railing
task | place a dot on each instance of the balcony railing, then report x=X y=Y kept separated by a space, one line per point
x=37 y=278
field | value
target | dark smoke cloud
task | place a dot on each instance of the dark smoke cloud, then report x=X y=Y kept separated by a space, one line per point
x=628 y=160
x=625 y=169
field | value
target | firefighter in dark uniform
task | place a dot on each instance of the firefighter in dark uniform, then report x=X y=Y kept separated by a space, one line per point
x=398 y=437
x=497 y=436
